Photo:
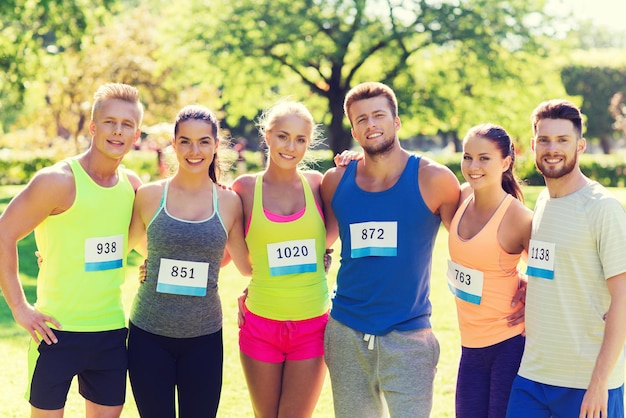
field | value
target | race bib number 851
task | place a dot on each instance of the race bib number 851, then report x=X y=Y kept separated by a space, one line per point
x=181 y=277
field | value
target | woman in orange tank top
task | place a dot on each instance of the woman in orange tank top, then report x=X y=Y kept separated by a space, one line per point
x=488 y=236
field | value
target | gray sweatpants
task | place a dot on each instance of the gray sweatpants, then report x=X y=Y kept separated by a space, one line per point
x=391 y=375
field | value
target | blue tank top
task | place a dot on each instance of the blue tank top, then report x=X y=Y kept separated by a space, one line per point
x=387 y=240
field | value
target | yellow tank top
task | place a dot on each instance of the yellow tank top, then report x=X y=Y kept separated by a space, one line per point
x=288 y=280
x=84 y=252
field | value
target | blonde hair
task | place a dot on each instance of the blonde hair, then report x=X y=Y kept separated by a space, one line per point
x=286 y=107
x=119 y=91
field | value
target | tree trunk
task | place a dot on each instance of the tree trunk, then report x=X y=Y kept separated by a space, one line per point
x=606 y=143
x=339 y=138
x=458 y=146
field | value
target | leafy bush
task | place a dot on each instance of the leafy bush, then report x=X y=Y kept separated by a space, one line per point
x=17 y=167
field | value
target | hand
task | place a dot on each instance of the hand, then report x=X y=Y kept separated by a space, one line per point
x=328 y=259
x=343 y=159
x=36 y=324
x=143 y=273
x=39 y=259
x=241 y=308
x=517 y=317
x=223 y=186
x=595 y=402
x=520 y=295
x=519 y=298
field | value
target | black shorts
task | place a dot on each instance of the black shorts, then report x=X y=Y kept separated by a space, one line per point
x=99 y=359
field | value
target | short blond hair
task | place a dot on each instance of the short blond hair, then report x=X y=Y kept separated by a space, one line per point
x=119 y=91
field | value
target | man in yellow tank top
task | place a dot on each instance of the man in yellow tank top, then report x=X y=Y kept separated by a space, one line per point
x=80 y=210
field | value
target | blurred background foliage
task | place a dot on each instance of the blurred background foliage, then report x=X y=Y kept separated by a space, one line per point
x=453 y=64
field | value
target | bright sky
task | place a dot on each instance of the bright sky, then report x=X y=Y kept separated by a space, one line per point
x=607 y=13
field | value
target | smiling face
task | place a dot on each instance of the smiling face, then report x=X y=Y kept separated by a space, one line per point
x=288 y=139
x=195 y=145
x=115 y=127
x=483 y=164
x=556 y=145
x=373 y=125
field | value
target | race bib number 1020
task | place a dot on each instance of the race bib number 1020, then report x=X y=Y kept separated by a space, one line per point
x=292 y=257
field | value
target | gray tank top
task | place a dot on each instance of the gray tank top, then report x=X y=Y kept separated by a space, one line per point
x=182 y=256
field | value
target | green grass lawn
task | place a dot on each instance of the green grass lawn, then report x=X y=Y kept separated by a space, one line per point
x=235 y=402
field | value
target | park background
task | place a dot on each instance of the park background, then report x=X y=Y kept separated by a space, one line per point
x=453 y=64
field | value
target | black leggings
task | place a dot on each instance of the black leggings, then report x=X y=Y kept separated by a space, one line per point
x=157 y=365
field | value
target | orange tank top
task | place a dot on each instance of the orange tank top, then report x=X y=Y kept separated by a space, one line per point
x=482 y=315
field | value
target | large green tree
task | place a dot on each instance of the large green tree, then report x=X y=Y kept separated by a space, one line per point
x=596 y=85
x=323 y=47
x=29 y=30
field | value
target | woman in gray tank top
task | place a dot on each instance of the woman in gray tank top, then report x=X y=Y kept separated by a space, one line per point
x=175 y=337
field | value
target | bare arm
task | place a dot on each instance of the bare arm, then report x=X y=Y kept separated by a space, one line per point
x=50 y=192
x=147 y=202
x=440 y=189
x=137 y=232
x=596 y=397
x=327 y=190
x=236 y=248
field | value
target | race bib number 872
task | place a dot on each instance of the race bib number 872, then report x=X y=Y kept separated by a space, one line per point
x=374 y=239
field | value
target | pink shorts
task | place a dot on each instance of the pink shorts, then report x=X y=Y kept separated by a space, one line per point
x=276 y=341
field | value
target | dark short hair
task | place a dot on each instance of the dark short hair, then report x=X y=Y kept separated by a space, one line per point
x=198 y=112
x=369 y=90
x=558 y=109
x=501 y=138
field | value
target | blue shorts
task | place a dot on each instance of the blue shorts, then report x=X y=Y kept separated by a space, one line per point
x=99 y=360
x=538 y=400
x=274 y=341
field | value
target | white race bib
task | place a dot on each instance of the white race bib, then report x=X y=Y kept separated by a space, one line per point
x=541 y=257
x=465 y=283
x=182 y=277
x=374 y=239
x=291 y=257
x=104 y=253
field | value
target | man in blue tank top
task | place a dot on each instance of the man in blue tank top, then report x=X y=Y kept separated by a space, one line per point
x=387 y=208
x=80 y=209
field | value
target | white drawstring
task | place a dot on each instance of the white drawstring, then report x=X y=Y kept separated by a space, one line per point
x=371 y=338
